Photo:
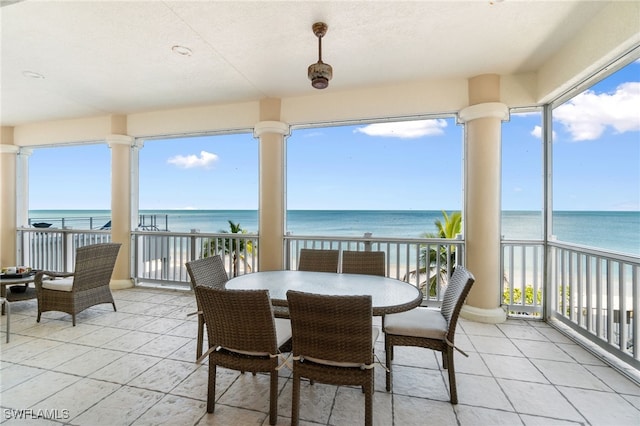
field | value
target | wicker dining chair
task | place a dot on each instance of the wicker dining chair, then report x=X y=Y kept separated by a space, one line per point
x=318 y=260
x=244 y=336
x=332 y=343
x=431 y=328
x=206 y=272
x=363 y=262
x=86 y=286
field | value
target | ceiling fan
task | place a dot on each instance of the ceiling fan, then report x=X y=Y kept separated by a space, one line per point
x=320 y=73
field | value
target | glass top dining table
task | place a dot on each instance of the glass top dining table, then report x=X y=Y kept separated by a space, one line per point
x=388 y=295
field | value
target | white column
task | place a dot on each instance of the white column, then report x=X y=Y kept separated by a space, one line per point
x=121 y=206
x=22 y=187
x=482 y=215
x=9 y=204
x=272 y=204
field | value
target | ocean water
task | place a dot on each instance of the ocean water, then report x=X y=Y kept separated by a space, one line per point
x=616 y=231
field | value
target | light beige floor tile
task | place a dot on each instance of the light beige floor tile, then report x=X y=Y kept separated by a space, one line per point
x=554 y=335
x=130 y=341
x=524 y=332
x=481 y=391
x=164 y=376
x=136 y=307
x=516 y=368
x=226 y=416
x=473 y=364
x=45 y=328
x=122 y=407
x=187 y=329
x=161 y=310
x=72 y=333
x=14 y=374
x=134 y=323
x=473 y=416
x=530 y=420
x=187 y=352
x=169 y=298
x=126 y=368
x=494 y=345
x=419 y=382
x=541 y=350
x=195 y=386
x=414 y=357
x=580 y=354
x=602 y=408
x=182 y=312
x=539 y=400
x=569 y=374
x=28 y=350
x=348 y=408
x=22 y=396
x=162 y=325
x=315 y=400
x=614 y=380
x=100 y=337
x=173 y=410
x=249 y=392
x=89 y=362
x=634 y=400
x=78 y=397
x=480 y=329
x=412 y=411
x=162 y=345
x=111 y=319
x=57 y=355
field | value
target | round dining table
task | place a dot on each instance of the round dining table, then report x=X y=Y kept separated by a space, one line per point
x=388 y=295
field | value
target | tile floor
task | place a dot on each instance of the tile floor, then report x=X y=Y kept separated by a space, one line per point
x=136 y=367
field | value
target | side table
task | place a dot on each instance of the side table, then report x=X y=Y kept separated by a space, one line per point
x=11 y=296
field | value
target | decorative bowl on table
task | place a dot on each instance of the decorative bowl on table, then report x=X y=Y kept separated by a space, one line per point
x=12 y=272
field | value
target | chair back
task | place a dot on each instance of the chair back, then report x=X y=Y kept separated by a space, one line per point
x=457 y=290
x=94 y=265
x=331 y=328
x=238 y=320
x=363 y=262
x=208 y=271
x=318 y=260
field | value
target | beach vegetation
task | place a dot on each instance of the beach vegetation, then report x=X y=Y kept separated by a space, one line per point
x=437 y=259
x=234 y=247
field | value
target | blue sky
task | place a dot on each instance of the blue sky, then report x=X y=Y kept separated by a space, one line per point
x=384 y=166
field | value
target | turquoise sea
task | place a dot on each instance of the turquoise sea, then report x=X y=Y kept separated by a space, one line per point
x=616 y=231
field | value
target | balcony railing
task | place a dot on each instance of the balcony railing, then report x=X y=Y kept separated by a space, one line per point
x=595 y=293
x=592 y=291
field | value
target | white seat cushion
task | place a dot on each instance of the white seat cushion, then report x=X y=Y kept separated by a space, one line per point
x=375 y=332
x=59 y=284
x=418 y=322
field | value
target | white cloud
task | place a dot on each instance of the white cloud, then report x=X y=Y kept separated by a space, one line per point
x=206 y=160
x=588 y=115
x=405 y=129
x=537 y=133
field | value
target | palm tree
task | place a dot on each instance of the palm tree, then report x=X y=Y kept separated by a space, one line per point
x=439 y=259
x=230 y=246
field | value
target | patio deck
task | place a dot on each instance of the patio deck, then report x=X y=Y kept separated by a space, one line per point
x=136 y=366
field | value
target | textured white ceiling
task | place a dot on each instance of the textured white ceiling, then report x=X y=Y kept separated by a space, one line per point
x=115 y=57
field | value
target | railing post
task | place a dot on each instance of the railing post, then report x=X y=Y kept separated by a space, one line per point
x=367 y=242
x=192 y=248
x=287 y=252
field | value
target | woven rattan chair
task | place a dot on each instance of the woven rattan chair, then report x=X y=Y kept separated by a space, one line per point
x=86 y=286
x=206 y=272
x=6 y=304
x=363 y=262
x=243 y=335
x=332 y=343
x=318 y=260
x=431 y=328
